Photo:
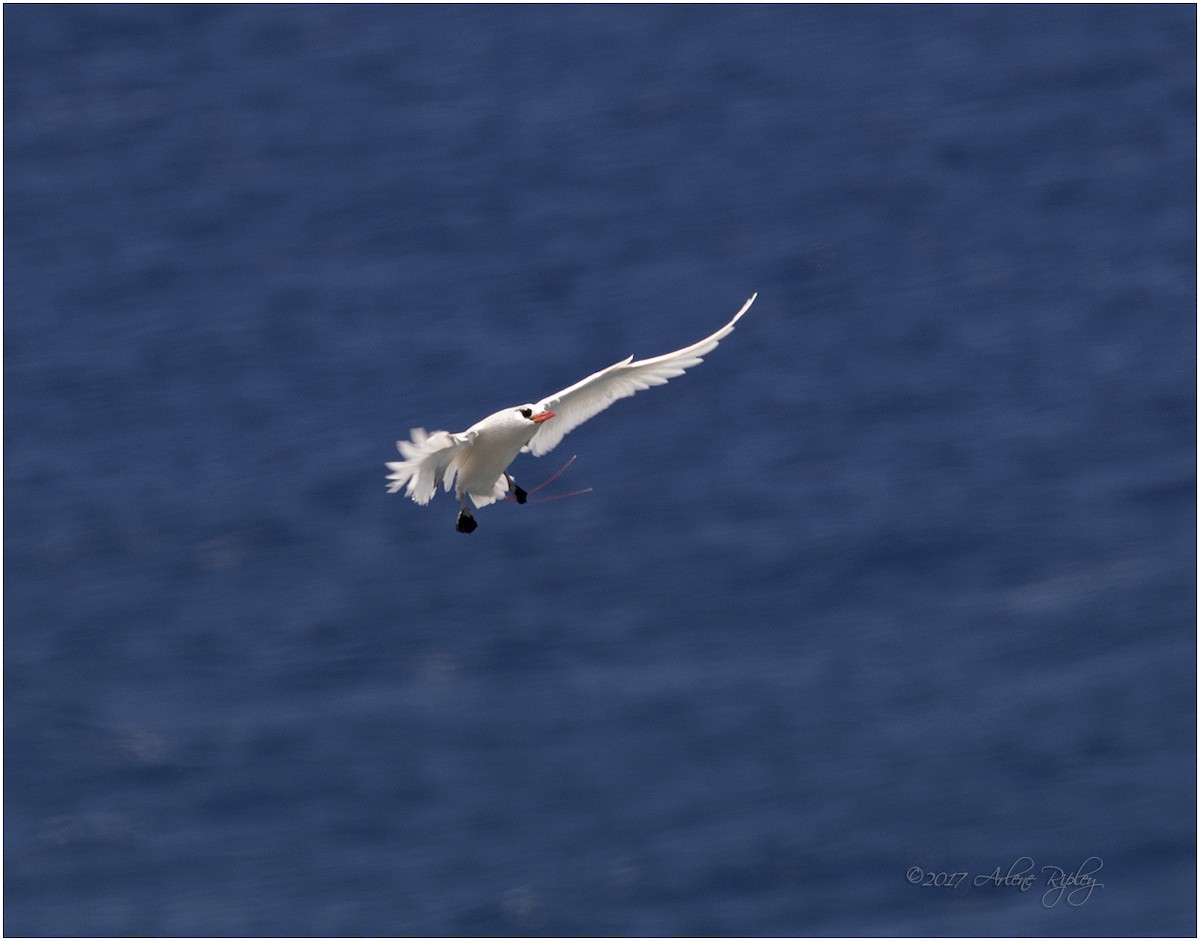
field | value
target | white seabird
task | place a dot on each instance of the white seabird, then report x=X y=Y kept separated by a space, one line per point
x=475 y=462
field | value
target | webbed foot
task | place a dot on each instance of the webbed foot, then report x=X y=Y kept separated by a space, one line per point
x=466 y=523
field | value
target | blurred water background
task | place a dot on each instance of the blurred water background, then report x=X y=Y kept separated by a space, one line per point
x=902 y=576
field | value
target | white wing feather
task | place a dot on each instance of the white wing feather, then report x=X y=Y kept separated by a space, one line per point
x=576 y=404
x=427 y=458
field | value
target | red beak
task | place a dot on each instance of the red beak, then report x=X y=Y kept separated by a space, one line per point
x=542 y=416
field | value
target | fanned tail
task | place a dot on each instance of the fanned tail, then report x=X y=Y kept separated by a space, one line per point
x=427 y=458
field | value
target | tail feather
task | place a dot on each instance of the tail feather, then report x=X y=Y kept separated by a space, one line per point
x=427 y=457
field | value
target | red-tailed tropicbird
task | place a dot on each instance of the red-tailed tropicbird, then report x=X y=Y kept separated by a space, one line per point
x=475 y=462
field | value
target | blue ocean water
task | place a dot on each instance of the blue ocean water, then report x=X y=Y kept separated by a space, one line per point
x=900 y=582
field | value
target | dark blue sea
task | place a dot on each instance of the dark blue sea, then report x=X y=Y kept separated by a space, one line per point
x=882 y=621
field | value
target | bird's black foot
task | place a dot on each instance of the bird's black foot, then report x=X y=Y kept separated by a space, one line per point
x=520 y=494
x=466 y=523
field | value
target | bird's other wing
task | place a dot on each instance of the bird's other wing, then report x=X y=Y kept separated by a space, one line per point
x=576 y=404
x=427 y=457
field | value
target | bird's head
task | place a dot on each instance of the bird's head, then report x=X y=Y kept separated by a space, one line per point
x=531 y=413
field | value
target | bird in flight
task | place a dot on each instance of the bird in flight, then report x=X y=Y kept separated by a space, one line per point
x=475 y=462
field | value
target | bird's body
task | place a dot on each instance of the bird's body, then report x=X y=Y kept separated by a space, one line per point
x=475 y=462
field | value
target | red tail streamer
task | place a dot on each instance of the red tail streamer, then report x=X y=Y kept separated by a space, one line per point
x=549 y=480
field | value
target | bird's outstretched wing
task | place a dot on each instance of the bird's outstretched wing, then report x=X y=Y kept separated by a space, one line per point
x=427 y=457
x=576 y=404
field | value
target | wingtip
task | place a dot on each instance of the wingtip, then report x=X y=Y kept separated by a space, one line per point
x=745 y=307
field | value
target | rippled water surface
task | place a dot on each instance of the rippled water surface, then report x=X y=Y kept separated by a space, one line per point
x=900 y=582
